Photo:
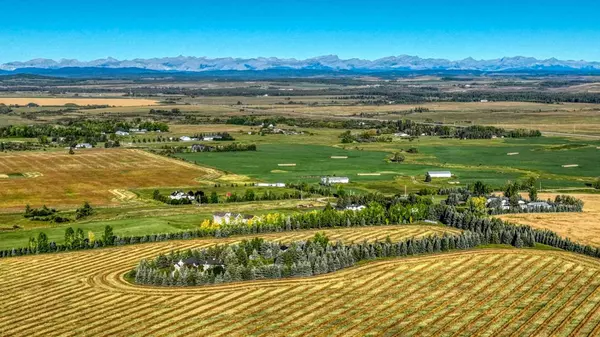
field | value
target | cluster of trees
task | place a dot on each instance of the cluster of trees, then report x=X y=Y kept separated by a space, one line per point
x=110 y=144
x=20 y=146
x=73 y=240
x=257 y=259
x=224 y=136
x=487 y=132
x=71 y=132
x=233 y=147
x=4 y=109
x=41 y=214
x=369 y=136
x=475 y=196
x=45 y=213
x=314 y=189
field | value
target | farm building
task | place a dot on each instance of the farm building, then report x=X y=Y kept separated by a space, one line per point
x=334 y=180
x=83 y=146
x=227 y=217
x=439 y=174
x=178 y=195
x=269 y=184
x=401 y=134
x=122 y=133
x=185 y=138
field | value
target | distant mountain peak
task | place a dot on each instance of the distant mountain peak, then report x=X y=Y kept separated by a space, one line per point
x=324 y=62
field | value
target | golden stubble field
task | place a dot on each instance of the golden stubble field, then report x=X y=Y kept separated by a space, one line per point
x=99 y=176
x=491 y=292
x=50 y=101
x=581 y=227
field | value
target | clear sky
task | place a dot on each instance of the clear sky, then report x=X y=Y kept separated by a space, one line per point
x=291 y=28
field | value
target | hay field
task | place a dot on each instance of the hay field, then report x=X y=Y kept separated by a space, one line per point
x=50 y=101
x=63 y=179
x=491 y=292
x=581 y=227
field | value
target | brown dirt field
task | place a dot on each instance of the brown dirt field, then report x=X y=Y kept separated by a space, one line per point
x=89 y=175
x=581 y=227
x=472 y=293
x=79 y=101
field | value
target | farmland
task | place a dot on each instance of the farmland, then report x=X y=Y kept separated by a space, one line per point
x=50 y=101
x=498 y=292
x=63 y=275
x=59 y=179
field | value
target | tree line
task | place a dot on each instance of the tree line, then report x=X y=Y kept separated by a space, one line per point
x=258 y=259
x=491 y=230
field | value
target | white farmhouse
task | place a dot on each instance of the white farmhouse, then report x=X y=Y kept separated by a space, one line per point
x=334 y=180
x=185 y=138
x=122 y=133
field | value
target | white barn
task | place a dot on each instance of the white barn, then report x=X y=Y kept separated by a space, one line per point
x=439 y=174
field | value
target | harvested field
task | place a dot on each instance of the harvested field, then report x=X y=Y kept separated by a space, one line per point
x=79 y=101
x=581 y=227
x=286 y=164
x=57 y=178
x=512 y=153
x=570 y=165
x=339 y=157
x=475 y=293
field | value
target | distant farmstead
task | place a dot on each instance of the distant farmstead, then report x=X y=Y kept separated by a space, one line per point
x=334 y=180
x=439 y=174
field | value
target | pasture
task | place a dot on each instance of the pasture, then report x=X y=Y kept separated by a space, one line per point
x=487 y=292
x=60 y=179
x=581 y=227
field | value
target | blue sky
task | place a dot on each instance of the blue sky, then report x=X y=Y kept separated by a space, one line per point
x=366 y=29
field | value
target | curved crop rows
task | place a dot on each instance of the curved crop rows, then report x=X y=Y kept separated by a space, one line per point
x=473 y=293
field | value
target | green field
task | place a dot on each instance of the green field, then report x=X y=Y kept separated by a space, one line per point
x=468 y=160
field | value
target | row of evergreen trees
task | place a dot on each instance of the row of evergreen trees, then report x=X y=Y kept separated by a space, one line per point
x=270 y=260
x=507 y=233
x=489 y=230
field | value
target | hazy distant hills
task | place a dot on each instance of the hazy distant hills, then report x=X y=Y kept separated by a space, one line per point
x=321 y=63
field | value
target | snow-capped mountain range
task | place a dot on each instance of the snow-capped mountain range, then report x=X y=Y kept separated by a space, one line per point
x=329 y=62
